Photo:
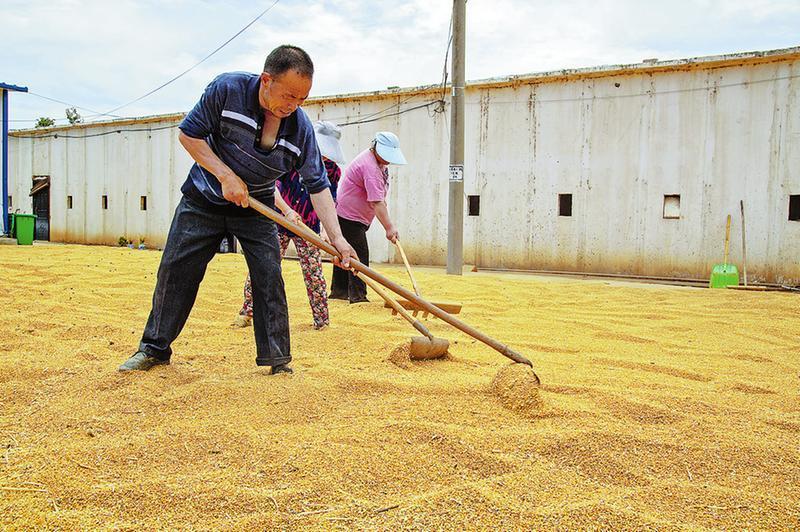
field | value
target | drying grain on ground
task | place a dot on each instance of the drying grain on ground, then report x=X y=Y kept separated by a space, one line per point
x=660 y=407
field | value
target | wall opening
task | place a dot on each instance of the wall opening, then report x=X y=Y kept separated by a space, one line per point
x=474 y=203
x=142 y=203
x=672 y=206
x=104 y=201
x=794 y=207
x=565 y=204
x=40 y=203
x=69 y=202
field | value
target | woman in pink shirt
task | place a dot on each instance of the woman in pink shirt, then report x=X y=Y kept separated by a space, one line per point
x=362 y=197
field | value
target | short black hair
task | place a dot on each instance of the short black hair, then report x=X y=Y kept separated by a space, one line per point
x=287 y=57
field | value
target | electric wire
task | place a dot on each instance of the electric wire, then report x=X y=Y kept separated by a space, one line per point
x=390 y=115
x=220 y=47
x=373 y=118
x=441 y=101
x=446 y=56
x=91 y=135
x=173 y=79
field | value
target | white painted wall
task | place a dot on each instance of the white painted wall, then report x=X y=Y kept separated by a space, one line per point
x=123 y=166
x=712 y=135
x=3 y=222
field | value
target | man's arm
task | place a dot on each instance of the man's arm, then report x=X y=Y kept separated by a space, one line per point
x=382 y=213
x=326 y=211
x=233 y=188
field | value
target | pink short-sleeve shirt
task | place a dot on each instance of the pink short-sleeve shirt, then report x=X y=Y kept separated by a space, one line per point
x=364 y=181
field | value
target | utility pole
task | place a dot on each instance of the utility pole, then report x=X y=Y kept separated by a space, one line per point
x=455 y=217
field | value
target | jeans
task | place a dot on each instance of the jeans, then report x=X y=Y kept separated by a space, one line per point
x=194 y=238
x=311 y=266
x=344 y=284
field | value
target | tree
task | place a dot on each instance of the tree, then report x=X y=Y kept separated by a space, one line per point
x=45 y=121
x=73 y=116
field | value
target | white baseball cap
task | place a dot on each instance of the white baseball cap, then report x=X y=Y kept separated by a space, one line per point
x=388 y=147
x=328 y=135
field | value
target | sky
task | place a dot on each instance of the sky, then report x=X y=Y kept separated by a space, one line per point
x=100 y=54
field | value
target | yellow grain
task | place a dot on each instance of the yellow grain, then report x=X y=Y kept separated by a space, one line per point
x=660 y=407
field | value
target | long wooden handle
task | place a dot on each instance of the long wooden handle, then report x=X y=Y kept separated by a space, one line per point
x=314 y=238
x=397 y=307
x=727 y=238
x=408 y=266
x=744 y=245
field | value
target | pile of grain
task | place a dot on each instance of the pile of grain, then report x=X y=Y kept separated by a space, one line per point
x=518 y=388
x=649 y=417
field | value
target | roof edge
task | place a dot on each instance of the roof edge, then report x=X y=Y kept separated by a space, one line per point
x=645 y=67
x=106 y=123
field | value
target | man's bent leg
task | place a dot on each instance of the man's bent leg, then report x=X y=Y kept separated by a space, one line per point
x=258 y=236
x=194 y=238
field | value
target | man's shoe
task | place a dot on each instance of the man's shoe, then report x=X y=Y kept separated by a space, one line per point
x=242 y=321
x=141 y=361
x=281 y=368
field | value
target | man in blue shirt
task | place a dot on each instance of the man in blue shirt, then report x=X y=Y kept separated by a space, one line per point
x=246 y=132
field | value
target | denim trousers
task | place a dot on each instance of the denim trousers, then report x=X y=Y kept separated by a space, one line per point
x=194 y=238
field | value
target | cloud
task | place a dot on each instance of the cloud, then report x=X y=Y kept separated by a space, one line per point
x=101 y=54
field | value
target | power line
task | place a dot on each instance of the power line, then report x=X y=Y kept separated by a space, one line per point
x=109 y=113
x=365 y=119
x=398 y=113
x=446 y=55
x=84 y=117
x=134 y=130
x=368 y=118
x=220 y=47
x=97 y=113
x=373 y=118
x=103 y=134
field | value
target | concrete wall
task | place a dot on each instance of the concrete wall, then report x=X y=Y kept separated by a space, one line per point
x=3 y=222
x=618 y=144
x=91 y=162
x=618 y=140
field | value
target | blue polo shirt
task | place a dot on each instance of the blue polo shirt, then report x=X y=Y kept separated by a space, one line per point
x=230 y=119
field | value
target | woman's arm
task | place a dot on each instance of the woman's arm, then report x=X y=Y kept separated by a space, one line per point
x=382 y=213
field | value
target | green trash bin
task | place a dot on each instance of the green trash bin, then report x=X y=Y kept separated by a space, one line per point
x=23 y=226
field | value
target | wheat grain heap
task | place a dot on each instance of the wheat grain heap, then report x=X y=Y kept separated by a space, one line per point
x=661 y=407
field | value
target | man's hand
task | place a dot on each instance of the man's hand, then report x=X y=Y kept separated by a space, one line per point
x=233 y=188
x=345 y=250
x=392 y=234
x=235 y=191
